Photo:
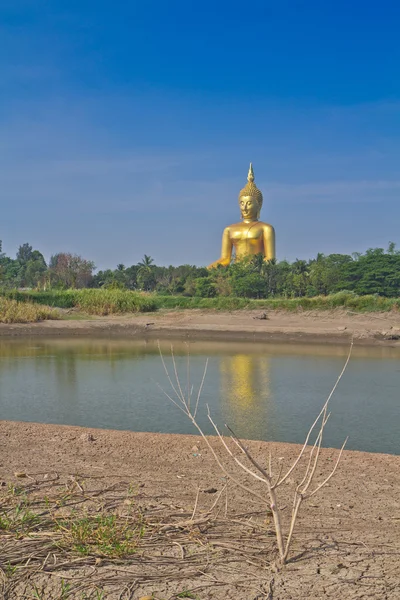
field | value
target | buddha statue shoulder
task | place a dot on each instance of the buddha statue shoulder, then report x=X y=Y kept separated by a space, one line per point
x=250 y=236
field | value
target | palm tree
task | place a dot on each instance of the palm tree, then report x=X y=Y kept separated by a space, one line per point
x=146 y=262
x=145 y=275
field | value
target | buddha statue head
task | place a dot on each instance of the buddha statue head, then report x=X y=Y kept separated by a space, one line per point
x=250 y=198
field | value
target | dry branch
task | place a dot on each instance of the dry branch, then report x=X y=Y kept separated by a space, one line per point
x=255 y=470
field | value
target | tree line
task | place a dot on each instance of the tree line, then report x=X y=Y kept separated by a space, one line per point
x=377 y=271
x=30 y=270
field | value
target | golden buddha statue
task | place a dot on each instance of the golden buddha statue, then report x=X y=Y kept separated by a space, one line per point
x=250 y=236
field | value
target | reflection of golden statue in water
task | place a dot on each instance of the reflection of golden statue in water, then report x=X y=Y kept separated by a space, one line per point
x=245 y=389
x=250 y=236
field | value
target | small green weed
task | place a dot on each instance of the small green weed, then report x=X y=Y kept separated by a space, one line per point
x=65 y=589
x=9 y=570
x=18 y=519
x=63 y=499
x=15 y=490
x=36 y=594
x=99 y=595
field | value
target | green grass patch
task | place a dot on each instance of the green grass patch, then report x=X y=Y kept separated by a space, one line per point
x=101 y=535
x=89 y=531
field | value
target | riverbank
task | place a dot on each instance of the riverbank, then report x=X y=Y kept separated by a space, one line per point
x=347 y=542
x=336 y=326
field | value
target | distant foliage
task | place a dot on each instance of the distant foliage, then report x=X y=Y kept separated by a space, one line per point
x=376 y=272
x=70 y=271
x=26 y=270
x=106 y=301
x=347 y=300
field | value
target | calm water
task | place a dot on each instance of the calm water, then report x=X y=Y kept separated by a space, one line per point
x=270 y=392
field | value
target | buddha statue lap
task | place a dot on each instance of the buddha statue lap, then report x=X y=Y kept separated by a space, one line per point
x=250 y=236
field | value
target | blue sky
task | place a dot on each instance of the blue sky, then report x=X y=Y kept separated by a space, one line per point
x=127 y=127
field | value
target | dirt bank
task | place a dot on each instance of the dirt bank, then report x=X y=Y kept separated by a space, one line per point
x=347 y=542
x=336 y=326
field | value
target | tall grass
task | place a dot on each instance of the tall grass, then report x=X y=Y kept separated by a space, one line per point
x=221 y=303
x=107 y=302
x=94 y=302
x=339 y=300
x=12 y=311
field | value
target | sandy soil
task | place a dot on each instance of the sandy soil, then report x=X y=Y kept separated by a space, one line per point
x=336 y=326
x=347 y=542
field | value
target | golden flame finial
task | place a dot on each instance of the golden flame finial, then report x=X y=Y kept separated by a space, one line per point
x=250 y=175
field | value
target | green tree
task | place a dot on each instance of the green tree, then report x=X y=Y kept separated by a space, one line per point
x=70 y=270
x=204 y=287
x=375 y=273
x=249 y=285
x=145 y=276
x=34 y=272
x=298 y=278
x=146 y=280
x=392 y=249
x=24 y=253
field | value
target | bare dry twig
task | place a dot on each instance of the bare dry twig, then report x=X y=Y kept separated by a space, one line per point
x=304 y=488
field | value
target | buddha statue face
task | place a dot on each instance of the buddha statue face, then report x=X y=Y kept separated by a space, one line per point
x=250 y=199
x=249 y=208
